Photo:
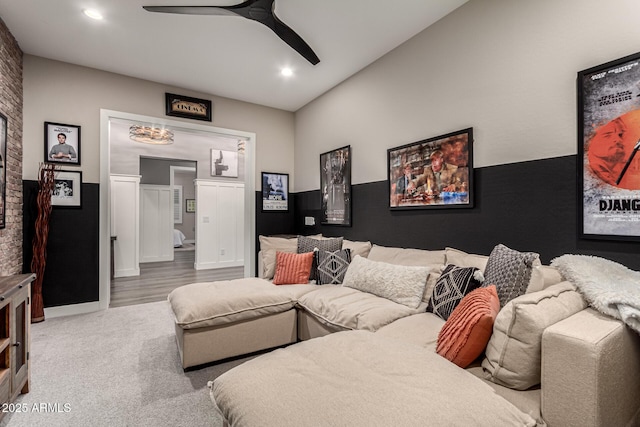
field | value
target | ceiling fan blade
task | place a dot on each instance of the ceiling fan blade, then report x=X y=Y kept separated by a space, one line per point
x=191 y=10
x=292 y=38
x=256 y=10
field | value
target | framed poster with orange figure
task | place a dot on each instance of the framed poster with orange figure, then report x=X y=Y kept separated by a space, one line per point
x=608 y=145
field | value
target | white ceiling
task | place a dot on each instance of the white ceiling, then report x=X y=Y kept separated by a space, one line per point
x=222 y=55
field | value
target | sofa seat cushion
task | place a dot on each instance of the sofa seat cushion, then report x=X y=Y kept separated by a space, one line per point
x=358 y=378
x=216 y=303
x=419 y=329
x=348 y=308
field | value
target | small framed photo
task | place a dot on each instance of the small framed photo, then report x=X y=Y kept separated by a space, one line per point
x=67 y=191
x=61 y=143
x=187 y=107
x=190 y=205
x=224 y=163
x=275 y=192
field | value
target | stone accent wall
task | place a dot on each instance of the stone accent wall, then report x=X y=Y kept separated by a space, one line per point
x=11 y=107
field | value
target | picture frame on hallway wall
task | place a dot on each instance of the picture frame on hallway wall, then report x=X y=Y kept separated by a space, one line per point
x=275 y=192
x=335 y=186
x=224 y=163
x=3 y=171
x=608 y=162
x=61 y=143
x=67 y=191
x=434 y=173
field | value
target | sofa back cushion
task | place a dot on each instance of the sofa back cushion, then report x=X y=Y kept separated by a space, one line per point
x=513 y=354
x=402 y=284
x=357 y=248
x=269 y=245
x=463 y=259
x=404 y=256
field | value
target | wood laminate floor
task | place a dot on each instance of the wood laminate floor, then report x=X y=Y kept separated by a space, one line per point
x=157 y=279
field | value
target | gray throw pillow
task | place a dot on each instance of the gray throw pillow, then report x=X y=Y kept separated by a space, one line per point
x=332 y=266
x=510 y=271
x=307 y=244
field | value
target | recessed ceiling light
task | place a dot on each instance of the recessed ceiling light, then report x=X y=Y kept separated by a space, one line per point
x=287 y=72
x=92 y=13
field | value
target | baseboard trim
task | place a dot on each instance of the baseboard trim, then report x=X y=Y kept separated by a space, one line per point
x=214 y=265
x=72 y=309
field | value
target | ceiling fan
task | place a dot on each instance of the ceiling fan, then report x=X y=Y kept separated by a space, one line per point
x=256 y=10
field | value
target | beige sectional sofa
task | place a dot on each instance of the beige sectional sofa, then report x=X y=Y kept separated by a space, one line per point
x=551 y=360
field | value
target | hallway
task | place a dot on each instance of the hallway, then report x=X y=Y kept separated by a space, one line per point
x=158 y=279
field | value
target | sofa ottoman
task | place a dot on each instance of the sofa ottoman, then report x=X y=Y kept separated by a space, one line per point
x=358 y=378
x=218 y=320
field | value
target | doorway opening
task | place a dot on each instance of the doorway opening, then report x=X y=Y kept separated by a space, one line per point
x=195 y=258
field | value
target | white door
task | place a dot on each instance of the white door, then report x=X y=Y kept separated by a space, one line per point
x=156 y=223
x=124 y=224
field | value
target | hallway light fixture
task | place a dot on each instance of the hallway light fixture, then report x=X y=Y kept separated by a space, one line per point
x=150 y=135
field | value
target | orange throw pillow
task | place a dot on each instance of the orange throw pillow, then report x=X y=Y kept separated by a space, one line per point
x=292 y=269
x=466 y=333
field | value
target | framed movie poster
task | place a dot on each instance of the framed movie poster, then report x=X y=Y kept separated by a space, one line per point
x=275 y=192
x=67 y=191
x=432 y=173
x=335 y=186
x=3 y=171
x=61 y=143
x=608 y=142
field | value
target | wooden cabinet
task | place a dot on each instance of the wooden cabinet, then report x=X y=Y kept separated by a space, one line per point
x=15 y=323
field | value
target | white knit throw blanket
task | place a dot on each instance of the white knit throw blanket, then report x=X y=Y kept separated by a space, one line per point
x=609 y=287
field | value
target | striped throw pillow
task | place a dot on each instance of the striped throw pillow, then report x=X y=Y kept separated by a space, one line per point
x=467 y=331
x=292 y=269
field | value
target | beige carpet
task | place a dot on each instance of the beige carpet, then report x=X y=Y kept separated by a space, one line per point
x=118 y=367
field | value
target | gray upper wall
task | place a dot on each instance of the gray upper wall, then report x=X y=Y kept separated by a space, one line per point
x=506 y=68
x=65 y=93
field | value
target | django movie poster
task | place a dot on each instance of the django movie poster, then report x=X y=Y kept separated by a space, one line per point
x=608 y=144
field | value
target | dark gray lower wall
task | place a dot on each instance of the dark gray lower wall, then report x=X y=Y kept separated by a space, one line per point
x=529 y=206
x=72 y=271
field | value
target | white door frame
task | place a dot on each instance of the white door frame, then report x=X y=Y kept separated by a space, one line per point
x=105 y=204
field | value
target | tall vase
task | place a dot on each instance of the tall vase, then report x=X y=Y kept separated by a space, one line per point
x=46 y=182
